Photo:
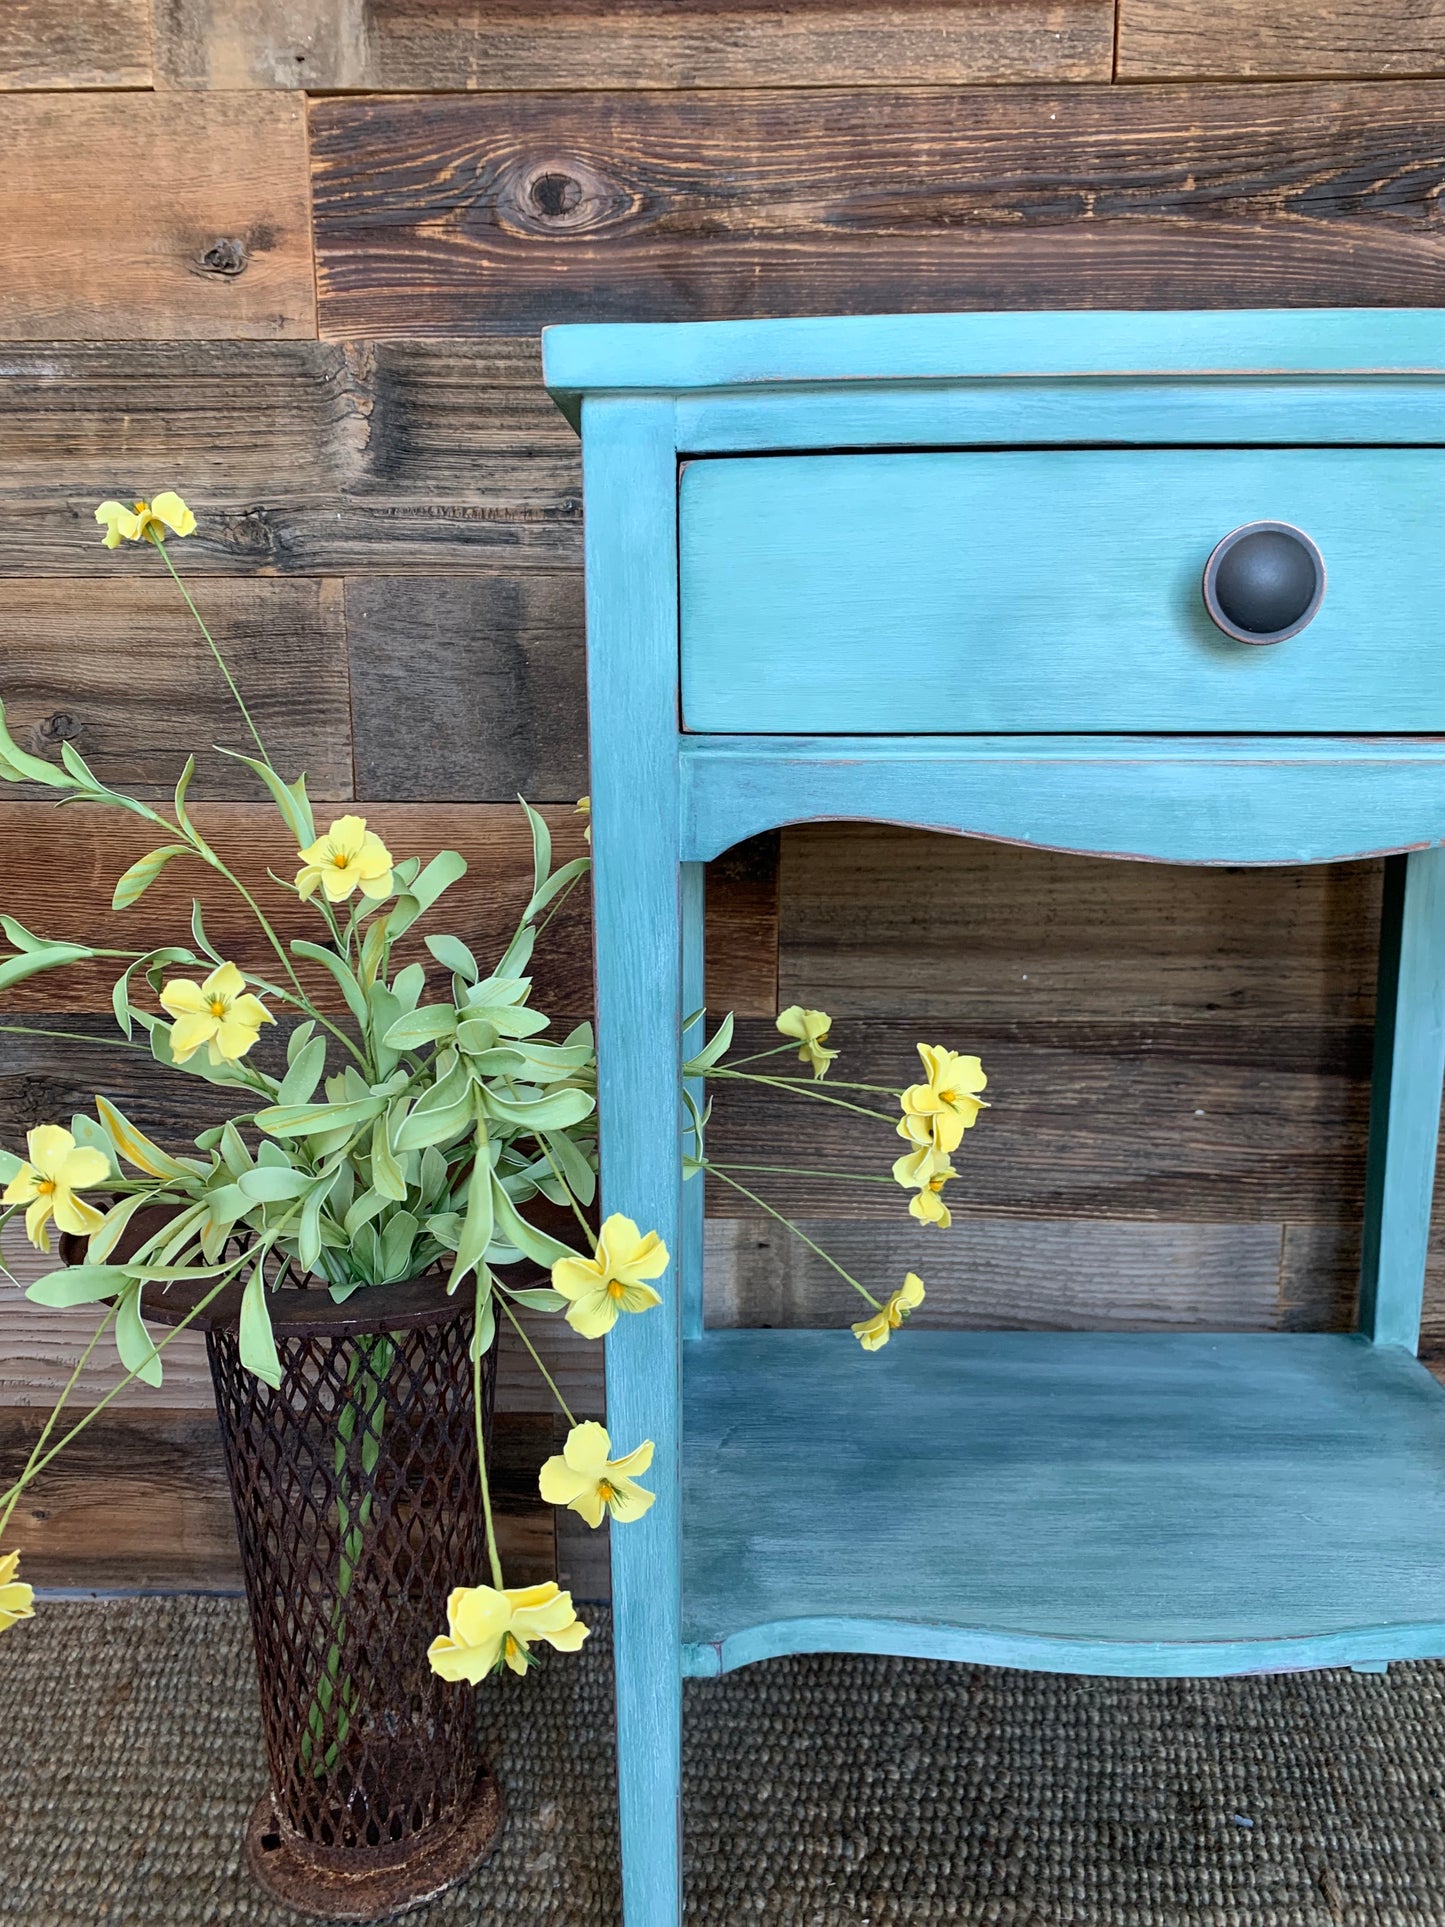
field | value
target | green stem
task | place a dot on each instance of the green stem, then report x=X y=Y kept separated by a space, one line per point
x=536 y=1360
x=796 y=1171
x=50 y=1423
x=492 y=1553
x=220 y=659
x=546 y=1150
x=732 y=1063
x=798 y=1084
x=763 y=1205
x=70 y=1036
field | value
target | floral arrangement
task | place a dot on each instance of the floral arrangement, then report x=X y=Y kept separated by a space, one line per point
x=416 y=1131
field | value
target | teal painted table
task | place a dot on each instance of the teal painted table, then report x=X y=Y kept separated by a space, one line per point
x=950 y=571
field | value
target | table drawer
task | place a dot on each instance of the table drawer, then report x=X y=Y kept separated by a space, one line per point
x=1054 y=590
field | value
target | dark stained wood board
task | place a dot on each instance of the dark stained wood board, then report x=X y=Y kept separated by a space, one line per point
x=1269 y=39
x=95 y=845
x=139 y=1503
x=878 y=921
x=90 y=847
x=299 y=457
x=397 y=46
x=59 y=43
x=462 y=216
x=119 y=669
x=1171 y=1123
x=137 y=215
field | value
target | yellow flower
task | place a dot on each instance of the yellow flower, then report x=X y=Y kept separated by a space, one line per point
x=602 y=1287
x=940 y=1111
x=348 y=854
x=16 y=1601
x=874 y=1333
x=58 y=1167
x=219 y=1013
x=147 y=522
x=584 y=808
x=926 y=1171
x=487 y=1629
x=811 y=1027
x=593 y=1485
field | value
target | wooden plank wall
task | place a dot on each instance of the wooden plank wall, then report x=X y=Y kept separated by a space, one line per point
x=291 y=256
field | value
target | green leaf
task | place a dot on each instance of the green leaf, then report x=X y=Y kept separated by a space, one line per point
x=268 y=1185
x=22 y=938
x=386 y=1173
x=30 y=963
x=290 y=798
x=299 y=1039
x=258 y=1342
x=533 y=1243
x=20 y=767
x=78 y=1285
x=306 y=1070
x=424 y=1026
x=452 y=954
x=398 y=1235
x=373 y=951
x=541 y=846
x=579 y=1175
x=135 y=1147
x=554 y=1112
x=133 y=1341
x=198 y=931
x=540 y=1298
x=182 y=785
x=441 y=1111
x=350 y=989
x=417 y=897
x=134 y=883
x=556 y=884
x=477 y=1224
x=486 y=1328
x=79 y=768
x=514 y=1020
x=10 y=1166
x=307 y=1120
x=407 y=986
x=715 y=1049
x=308 y=1237
x=366 y=1206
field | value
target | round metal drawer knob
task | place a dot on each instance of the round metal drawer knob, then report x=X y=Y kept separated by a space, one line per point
x=1264 y=582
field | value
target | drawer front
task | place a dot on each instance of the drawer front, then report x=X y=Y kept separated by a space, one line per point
x=1053 y=591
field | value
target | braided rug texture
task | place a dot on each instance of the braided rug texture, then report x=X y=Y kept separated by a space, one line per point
x=821 y=1791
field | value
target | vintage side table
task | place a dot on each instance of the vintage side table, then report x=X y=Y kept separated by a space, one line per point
x=1163 y=586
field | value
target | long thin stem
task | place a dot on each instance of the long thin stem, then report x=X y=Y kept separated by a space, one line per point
x=220 y=659
x=71 y=1036
x=798 y=1084
x=733 y=1063
x=493 y=1554
x=797 y=1171
x=577 y=1211
x=763 y=1205
x=536 y=1360
x=50 y=1423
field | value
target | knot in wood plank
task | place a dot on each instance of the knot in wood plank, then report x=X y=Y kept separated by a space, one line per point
x=227 y=256
x=565 y=194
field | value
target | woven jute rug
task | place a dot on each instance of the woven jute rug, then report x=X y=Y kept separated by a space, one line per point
x=821 y=1792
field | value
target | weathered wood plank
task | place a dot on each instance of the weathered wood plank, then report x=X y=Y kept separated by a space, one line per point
x=55 y=43
x=120 y=670
x=454 y=216
x=1172 y=1123
x=1319 y=1276
x=877 y=921
x=469 y=686
x=1272 y=39
x=89 y=848
x=398 y=46
x=742 y=928
x=134 y=215
x=982 y=1275
x=139 y=1503
x=298 y=457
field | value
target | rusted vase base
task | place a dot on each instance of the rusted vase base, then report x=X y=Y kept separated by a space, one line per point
x=379 y=1893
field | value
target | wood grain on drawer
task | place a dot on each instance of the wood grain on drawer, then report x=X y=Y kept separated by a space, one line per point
x=1053 y=590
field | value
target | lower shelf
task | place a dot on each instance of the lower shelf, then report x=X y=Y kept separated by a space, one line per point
x=1118 y=1503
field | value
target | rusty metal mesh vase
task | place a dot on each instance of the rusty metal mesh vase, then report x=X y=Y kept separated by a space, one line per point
x=358 y=1508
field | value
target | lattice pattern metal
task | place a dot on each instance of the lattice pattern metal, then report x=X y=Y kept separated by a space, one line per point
x=358 y=1509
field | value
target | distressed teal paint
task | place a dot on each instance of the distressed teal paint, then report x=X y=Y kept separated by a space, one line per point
x=1128 y=1504
x=1405 y=1100
x=1140 y=1504
x=694 y=997
x=1186 y=800
x=628 y=473
x=1047 y=589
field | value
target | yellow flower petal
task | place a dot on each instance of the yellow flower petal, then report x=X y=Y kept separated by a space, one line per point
x=181 y=997
x=189 y=1033
x=74 y=1215
x=21 y=1188
x=118 y=521
x=17 y=1601
x=49 y=1146
x=173 y=512
x=82 y=1166
x=873 y=1333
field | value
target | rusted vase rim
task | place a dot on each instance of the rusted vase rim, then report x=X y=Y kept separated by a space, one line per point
x=413 y=1304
